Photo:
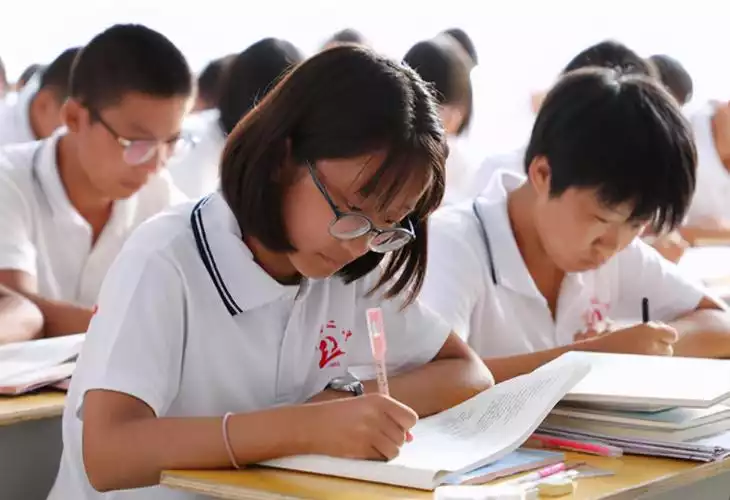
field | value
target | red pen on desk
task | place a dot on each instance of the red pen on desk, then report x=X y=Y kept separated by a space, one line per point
x=600 y=449
x=376 y=329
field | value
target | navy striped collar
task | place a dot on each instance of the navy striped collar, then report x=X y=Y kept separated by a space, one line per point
x=241 y=284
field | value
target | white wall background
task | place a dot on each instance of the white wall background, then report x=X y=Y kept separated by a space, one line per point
x=522 y=43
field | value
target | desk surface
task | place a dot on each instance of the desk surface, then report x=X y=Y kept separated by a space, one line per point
x=634 y=476
x=31 y=407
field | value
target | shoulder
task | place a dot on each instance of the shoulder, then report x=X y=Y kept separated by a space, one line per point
x=157 y=195
x=455 y=225
x=16 y=166
x=168 y=233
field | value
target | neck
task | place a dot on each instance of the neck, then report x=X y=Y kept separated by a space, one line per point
x=521 y=209
x=276 y=264
x=84 y=197
x=35 y=127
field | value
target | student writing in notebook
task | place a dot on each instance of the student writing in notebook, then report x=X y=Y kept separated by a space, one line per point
x=69 y=202
x=540 y=263
x=37 y=111
x=221 y=318
x=20 y=319
x=249 y=77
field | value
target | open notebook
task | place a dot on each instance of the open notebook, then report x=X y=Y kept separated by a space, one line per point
x=26 y=366
x=471 y=435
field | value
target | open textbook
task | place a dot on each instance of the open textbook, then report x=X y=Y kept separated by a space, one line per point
x=25 y=366
x=473 y=434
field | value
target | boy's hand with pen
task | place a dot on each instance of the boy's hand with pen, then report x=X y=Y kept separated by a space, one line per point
x=651 y=338
x=371 y=427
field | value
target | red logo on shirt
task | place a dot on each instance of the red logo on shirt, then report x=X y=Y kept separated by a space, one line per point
x=329 y=346
x=595 y=319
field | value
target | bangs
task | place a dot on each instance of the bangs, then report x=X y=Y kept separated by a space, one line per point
x=417 y=166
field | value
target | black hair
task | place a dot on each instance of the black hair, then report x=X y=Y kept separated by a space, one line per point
x=56 y=76
x=465 y=42
x=128 y=58
x=211 y=79
x=344 y=102
x=347 y=35
x=622 y=135
x=615 y=55
x=3 y=74
x=28 y=73
x=674 y=77
x=441 y=65
x=250 y=76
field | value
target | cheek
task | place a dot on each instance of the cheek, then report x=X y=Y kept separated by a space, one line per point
x=306 y=220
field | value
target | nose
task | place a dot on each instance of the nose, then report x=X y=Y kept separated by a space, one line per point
x=357 y=247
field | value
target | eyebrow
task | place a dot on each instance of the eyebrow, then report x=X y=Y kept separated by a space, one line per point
x=146 y=135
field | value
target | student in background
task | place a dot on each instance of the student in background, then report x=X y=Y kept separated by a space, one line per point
x=347 y=36
x=26 y=75
x=540 y=265
x=674 y=77
x=3 y=80
x=253 y=300
x=69 y=202
x=37 y=111
x=466 y=43
x=249 y=77
x=709 y=215
x=209 y=82
x=20 y=319
x=442 y=63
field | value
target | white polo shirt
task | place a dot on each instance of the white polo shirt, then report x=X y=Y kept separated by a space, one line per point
x=191 y=325
x=510 y=160
x=492 y=301
x=711 y=201
x=42 y=234
x=15 y=117
x=196 y=172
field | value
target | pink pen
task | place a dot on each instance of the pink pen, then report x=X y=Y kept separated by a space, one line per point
x=548 y=471
x=376 y=329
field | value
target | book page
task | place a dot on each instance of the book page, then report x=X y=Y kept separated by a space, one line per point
x=490 y=425
x=25 y=357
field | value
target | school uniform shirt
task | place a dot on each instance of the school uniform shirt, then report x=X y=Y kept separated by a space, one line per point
x=485 y=291
x=191 y=325
x=711 y=201
x=15 y=117
x=458 y=174
x=509 y=160
x=196 y=172
x=42 y=234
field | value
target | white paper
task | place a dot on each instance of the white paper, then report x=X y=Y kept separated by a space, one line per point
x=470 y=435
x=629 y=381
x=22 y=358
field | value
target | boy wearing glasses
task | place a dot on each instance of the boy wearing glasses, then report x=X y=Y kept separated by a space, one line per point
x=69 y=202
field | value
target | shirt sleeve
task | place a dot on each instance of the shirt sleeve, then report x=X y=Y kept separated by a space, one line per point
x=17 y=250
x=454 y=278
x=135 y=341
x=643 y=272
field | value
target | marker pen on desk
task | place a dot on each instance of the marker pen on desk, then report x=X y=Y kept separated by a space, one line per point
x=645 y=310
x=376 y=329
x=591 y=448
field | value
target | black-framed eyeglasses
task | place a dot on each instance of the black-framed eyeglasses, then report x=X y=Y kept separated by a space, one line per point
x=139 y=151
x=350 y=225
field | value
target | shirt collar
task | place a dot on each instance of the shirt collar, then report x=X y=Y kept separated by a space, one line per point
x=241 y=283
x=491 y=208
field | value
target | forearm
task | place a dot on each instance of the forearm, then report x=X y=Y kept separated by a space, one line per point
x=438 y=385
x=696 y=235
x=134 y=453
x=62 y=318
x=20 y=319
x=520 y=364
x=703 y=334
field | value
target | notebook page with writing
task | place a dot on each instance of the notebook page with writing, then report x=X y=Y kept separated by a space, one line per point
x=25 y=357
x=475 y=433
x=630 y=380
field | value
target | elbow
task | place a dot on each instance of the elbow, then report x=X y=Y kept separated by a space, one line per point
x=20 y=320
x=98 y=475
x=478 y=378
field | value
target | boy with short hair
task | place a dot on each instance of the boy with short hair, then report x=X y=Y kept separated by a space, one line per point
x=69 y=202
x=539 y=265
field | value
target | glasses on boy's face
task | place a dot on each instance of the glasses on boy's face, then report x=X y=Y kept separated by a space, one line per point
x=139 y=151
x=350 y=225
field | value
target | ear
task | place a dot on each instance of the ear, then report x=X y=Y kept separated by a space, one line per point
x=539 y=175
x=74 y=115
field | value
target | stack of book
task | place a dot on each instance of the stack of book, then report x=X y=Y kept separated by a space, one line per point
x=659 y=406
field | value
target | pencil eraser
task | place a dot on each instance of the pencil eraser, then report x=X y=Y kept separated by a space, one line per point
x=556 y=487
x=467 y=492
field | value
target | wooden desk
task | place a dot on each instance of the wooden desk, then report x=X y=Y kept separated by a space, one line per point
x=31 y=407
x=30 y=444
x=635 y=476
